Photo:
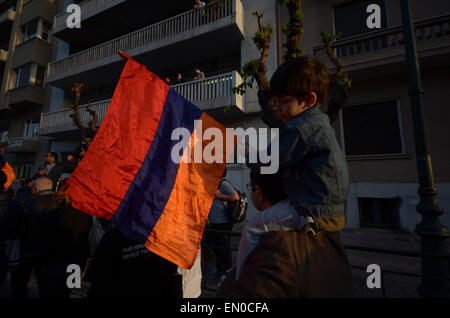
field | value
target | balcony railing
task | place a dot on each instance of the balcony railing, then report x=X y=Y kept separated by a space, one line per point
x=88 y=8
x=430 y=34
x=210 y=93
x=176 y=25
x=61 y=121
x=7 y=15
x=22 y=144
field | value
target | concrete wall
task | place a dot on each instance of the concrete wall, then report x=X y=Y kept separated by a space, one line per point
x=39 y=8
x=407 y=192
x=34 y=50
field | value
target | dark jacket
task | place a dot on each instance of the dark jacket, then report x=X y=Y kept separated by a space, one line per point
x=296 y=265
x=122 y=268
x=56 y=232
x=12 y=216
x=58 y=169
x=313 y=166
x=23 y=194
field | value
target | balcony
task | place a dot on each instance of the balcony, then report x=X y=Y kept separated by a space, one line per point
x=3 y=55
x=386 y=47
x=213 y=31
x=24 y=97
x=213 y=95
x=23 y=144
x=45 y=9
x=6 y=21
x=34 y=50
x=113 y=18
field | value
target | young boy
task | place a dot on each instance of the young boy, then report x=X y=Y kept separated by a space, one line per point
x=314 y=170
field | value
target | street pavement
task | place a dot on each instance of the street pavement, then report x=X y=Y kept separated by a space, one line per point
x=398 y=272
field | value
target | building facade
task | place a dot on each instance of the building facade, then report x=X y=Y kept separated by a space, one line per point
x=169 y=38
x=27 y=46
x=374 y=128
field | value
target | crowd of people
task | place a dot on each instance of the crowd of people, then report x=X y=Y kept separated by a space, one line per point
x=292 y=248
x=197 y=75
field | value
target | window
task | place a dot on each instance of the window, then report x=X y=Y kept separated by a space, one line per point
x=350 y=18
x=36 y=28
x=372 y=129
x=29 y=74
x=30 y=30
x=46 y=30
x=22 y=75
x=39 y=77
x=24 y=170
x=3 y=133
x=379 y=213
x=32 y=127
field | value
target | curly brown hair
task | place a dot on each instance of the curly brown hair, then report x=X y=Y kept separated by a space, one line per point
x=300 y=76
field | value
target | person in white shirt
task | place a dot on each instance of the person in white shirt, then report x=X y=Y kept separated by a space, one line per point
x=199 y=4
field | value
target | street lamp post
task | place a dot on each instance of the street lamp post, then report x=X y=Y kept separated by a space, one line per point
x=435 y=271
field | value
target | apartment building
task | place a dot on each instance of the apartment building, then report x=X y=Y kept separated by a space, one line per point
x=26 y=47
x=375 y=128
x=169 y=37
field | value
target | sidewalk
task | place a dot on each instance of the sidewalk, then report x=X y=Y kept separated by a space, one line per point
x=395 y=285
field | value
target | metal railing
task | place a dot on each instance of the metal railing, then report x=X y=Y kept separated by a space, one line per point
x=63 y=121
x=208 y=89
x=391 y=38
x=162 y=30
x=15 y=142
x=23 y=143
x=88 y=9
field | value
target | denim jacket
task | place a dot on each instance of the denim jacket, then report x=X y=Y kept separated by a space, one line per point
x=313 y=166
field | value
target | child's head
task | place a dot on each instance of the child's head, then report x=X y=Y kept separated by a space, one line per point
x=299 y=84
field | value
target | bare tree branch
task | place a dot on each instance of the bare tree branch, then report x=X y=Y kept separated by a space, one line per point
x=341 y=82
x=265 y=97
x=93 y=123
x=294 y=29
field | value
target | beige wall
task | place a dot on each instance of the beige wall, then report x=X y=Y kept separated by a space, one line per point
x=389 y=82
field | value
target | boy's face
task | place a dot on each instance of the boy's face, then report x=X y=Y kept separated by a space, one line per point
x=289 y=107
x=257 y=198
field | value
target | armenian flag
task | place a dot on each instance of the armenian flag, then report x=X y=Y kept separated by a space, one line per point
x=8 y=170
x=128 y=173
